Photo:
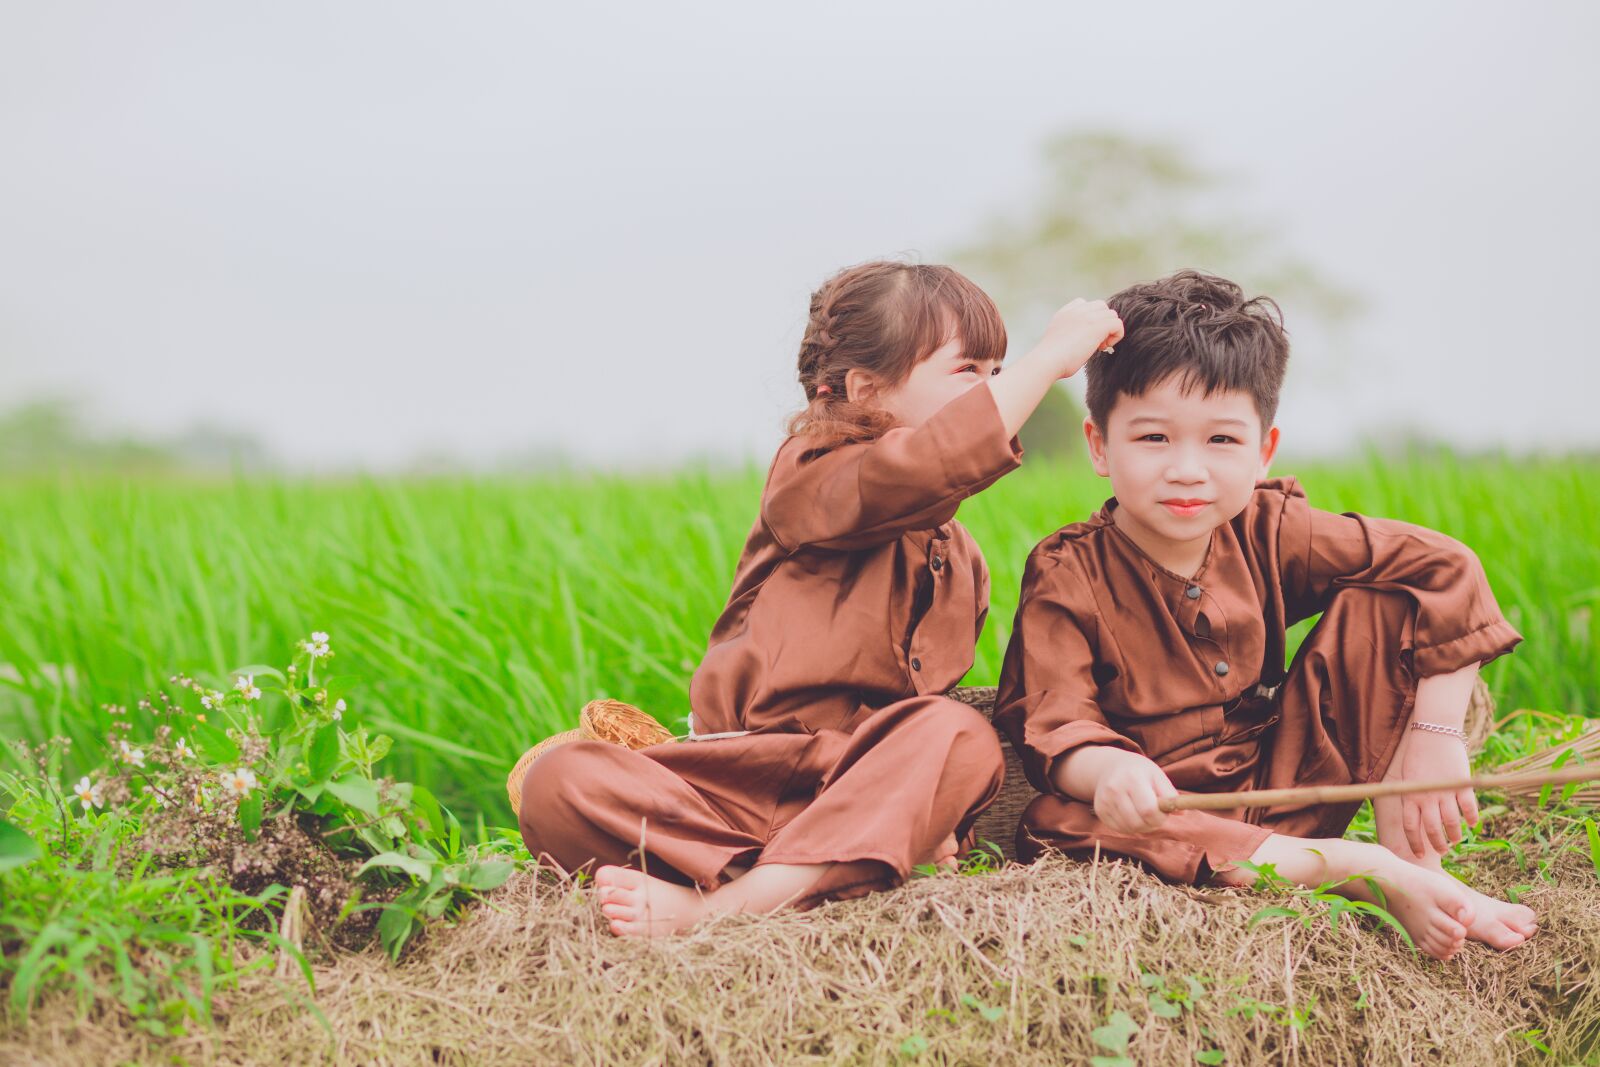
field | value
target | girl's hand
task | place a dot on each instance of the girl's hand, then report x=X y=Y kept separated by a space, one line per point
x=1077 y=331
x=1126 y=799
x=1430 y=823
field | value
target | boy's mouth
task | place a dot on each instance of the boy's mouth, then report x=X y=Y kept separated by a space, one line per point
x=1185 y=508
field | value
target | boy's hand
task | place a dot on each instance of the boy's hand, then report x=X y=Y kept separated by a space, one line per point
x=1127 y=796
x=1077 y=331
x=1429 y=822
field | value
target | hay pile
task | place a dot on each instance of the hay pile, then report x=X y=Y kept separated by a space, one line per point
x=1018 y=966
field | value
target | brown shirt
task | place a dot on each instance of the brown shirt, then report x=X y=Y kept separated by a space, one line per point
x=857 y=587
x=1111 y=648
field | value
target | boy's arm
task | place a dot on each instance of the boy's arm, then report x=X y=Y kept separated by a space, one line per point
x=1458 y=620
x=858 y=495
x=1045 y=701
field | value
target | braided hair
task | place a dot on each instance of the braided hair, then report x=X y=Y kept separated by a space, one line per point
x=883 y=317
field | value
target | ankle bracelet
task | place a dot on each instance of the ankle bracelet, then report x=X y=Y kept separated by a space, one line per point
x=1436 y=728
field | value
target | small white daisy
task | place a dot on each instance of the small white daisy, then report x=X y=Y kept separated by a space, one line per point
x=134 y=757
x=247 y=685
x=338 y=709
x=182 y=749
x=88 y=793
x=240 y=782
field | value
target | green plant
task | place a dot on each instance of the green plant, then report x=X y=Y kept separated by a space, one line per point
x=1322 y=901
x=211 y=802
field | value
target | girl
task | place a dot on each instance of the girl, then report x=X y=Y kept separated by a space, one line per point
x=824 y=761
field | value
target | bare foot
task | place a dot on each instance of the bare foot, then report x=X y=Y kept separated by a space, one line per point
x=1500 y=924
x=945 y=855
x=1435 y=909
x=639 y=905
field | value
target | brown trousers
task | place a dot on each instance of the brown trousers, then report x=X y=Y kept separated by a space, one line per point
x=1341 y=712
x=876 y=801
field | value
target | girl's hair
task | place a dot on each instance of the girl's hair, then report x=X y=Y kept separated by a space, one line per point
x=884 y=318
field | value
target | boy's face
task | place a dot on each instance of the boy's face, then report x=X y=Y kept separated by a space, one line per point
x=1181 y=463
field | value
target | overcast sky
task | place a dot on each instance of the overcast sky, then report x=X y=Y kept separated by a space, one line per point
x=366 y=230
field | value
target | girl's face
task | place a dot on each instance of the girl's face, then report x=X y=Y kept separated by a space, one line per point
x=1180 y=463
x=932 y=384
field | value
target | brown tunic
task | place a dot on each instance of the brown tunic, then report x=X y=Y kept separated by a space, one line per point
x=857 y=602
x=1111 y=648
x=857 y=586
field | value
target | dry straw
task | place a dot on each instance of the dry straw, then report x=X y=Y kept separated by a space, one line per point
x=1017 y=967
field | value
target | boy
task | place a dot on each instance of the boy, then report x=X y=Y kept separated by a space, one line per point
x=1147 y=638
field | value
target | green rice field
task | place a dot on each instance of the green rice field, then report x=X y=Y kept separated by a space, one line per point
x=481 y=614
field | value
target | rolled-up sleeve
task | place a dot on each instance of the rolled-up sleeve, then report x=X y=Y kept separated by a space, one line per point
x=1458 y=619
x=911 y=478
x=1046 y=699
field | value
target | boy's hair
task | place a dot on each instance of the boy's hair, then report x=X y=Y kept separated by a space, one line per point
x=1198 y=326
x=884 y=318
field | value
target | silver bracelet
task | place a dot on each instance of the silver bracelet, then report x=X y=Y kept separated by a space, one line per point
x=1436 y=728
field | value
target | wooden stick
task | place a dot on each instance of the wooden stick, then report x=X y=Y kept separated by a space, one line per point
x=1335 y=794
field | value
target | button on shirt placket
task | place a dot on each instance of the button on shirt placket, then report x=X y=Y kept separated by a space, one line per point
x=1216 y=636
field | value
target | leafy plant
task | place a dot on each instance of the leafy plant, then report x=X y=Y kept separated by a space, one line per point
x=209 y=804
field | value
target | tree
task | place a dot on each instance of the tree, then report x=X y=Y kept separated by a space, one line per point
x=1111 y=211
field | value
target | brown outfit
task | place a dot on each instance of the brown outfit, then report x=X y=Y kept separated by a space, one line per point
x=857 y=602
x=1111 y=648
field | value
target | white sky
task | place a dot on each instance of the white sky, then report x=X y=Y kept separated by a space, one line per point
x=364 y=230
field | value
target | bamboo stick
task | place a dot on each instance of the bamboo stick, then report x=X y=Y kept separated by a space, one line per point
x=1335 y=794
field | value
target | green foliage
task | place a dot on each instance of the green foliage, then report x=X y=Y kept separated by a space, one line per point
x=200 y=779
x=485 y=612
x=1114 y=1036
x=1320 y=902
x=72 y=913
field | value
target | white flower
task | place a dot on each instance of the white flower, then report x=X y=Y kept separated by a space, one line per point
x=208 y=700
x=182 y=749
x=247 y=685
x=317 y=646
x=319 y=637
x=88 y=793
x=132 y=756
x=240 y=782
x=338 y=709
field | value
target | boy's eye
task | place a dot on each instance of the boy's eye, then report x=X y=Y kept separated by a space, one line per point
x=1221 y=439
x=971 y=368
x=1154 y=437
x=993 y=371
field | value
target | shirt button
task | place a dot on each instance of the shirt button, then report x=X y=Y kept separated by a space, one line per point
x=916 y=664
x=1193 y=592
x=1221 y=667
x=938 y=563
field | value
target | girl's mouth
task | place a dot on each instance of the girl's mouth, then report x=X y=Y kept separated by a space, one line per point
x=1185 y=508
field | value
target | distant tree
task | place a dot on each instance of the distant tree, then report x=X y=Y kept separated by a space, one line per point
x=1113 y=210
x=49 y=434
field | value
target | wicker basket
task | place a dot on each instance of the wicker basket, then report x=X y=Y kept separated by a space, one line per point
x=600 y=720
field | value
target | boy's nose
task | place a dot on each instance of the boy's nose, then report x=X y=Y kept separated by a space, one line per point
x=1186 y=474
